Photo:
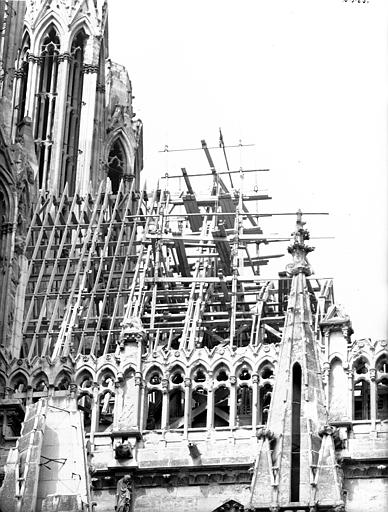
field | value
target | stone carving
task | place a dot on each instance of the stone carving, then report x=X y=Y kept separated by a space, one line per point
x=299 y=250
x=265 y=433
x=123 y=451
x=124 y=494
x=132 y=330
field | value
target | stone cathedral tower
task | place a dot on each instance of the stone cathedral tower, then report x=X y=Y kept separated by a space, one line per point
x=145 y=363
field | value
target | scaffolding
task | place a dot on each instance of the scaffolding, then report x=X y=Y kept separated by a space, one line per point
x=186 y=264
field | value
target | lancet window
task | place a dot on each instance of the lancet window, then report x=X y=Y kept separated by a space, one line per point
x=244 y=397
x=116 y=164
x=73 y=112
x=265 y=392
x=176 y=406
x=221 y=398
x=154 y=400
x=45 y=103
x=199 y=399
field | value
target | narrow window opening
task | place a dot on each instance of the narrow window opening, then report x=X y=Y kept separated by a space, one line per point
x=244 y=405
x=73 y=113
x=154 y=414
x=45 y=104
x=295 y=431
x=176 y=408
x=221 y=407
x=361 y=400
x=116 y=165
x=199 y=408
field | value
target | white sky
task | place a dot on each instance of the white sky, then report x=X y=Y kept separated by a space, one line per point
x=306 y=82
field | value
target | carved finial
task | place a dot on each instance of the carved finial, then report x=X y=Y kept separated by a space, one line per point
x=299 y=249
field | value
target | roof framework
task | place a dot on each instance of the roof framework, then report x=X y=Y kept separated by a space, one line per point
x=186 y=264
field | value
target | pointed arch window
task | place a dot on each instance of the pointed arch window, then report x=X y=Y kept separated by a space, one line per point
x=45 y=103
x=116 y=164
x=73 y=112
x=22 y=78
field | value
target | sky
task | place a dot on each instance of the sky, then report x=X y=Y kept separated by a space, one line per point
x=305 y=82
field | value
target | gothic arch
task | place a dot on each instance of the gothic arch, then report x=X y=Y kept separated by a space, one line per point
x=51 y=20
x=62 y=380
x=117 y=162
x=37 y=380
x=79 y=24
x=336 y=355
x=83 y=375
x=381 y=359
x=107 y=368
x=19 y=378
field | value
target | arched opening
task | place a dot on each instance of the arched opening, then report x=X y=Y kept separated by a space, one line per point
x=73 y=112
x=45 y=103
x=361 y=400
x=198 y=408
x=106 y=403
x=244 y=405
x=360 y=366
x=199 y=375
x=382 y=364
x=176 y=408
x=382 y=399
x=221 y=406
x=19 y=383
x=62 y=382
x=40 y=386
x=116 y=164
x=154 y=409
x=295 y=431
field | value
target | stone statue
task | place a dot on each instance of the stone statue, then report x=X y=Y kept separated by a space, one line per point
x=124 y=494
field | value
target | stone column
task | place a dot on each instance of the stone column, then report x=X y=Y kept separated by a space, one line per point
x=210 y=407
x=165 y=404
x=373 y=398
x=187 y=413
x=143 y=395
x=95 y=412
x=33 y=68
x=255 y=400
x=350 y=392
x=232 y=401
x=138 y=386
x=326 y=381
